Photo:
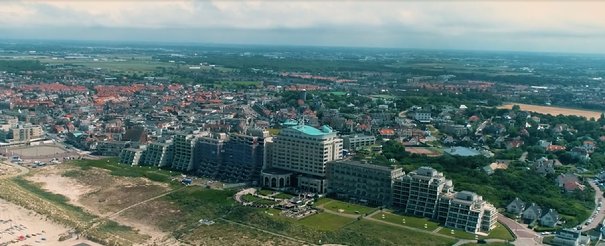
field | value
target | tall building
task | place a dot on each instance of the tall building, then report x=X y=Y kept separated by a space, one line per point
x=244 y=156
x=304 y=151
x=183 y=152
x=425 y=192
x=209 y=155
x=158 y=154
x=362 y=182
x=417 y=193
x=131 y=156
x=468 y=211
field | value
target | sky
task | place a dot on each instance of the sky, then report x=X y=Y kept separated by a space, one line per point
x=536 y=25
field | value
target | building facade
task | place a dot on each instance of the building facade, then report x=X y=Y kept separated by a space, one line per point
x=417 y=192
x=362 y=182
x=304 y=151
x=427 y=193
x=356 y=142
x=183 y=152
x=157 y=155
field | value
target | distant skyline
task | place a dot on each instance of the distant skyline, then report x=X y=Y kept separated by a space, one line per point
x=551 y=26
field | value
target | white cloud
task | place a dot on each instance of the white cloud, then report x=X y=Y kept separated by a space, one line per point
x=538 y=19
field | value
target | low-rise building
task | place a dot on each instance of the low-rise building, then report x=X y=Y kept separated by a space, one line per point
x=516 y=207
x=356 y=142
x=362 y=182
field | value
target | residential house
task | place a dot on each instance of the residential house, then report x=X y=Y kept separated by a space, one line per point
x=544 y=166
x=569 y=182
x=531 y=214
x=516 y=207
x=581 y=153
x=550 y=218
x=491 y=168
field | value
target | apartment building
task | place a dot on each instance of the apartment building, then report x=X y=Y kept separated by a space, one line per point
x=183 y=152
x=209 y=155
x=157 y=154
x=304 y=151
x=417 y=193
x=131 y=156
x=26 y=132
x=427 y=193
x=362 y=182
x=244 y=156
x=468 y=211
x=356 y=142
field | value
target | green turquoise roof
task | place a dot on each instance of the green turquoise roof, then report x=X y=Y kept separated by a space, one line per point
x=309 y=130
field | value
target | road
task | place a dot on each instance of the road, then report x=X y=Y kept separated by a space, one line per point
x=525 y=236
x=598 y=194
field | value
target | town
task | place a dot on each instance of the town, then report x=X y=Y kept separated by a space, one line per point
x=290 y=146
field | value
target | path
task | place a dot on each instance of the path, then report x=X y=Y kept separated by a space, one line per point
x=524 y=235
x=22 y=170
x=598 y=194
x=142 y=202
x=265 y=231
x=523 y=157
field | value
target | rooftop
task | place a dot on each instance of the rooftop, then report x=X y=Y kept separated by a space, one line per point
x=309 y=130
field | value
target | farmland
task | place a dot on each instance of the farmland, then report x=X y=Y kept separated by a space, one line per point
x=554 y=110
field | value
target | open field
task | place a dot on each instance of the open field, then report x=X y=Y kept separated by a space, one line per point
x=409 y=221
x=38 y=152
x=344 y=207
x=554 y=110
x=431 y=152
x=382 y=234
x=326 y=221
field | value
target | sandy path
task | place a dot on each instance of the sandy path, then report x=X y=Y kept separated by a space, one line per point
x=16 y=221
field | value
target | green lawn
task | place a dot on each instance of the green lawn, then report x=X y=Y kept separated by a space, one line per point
x=457 y=233
x=349 y=208
x=257 y=200
x=383 y=234
x=409 y=220
x=500 y=232
x=283 y=196
x=117 y=169
x=265 y=192
x=325 y=221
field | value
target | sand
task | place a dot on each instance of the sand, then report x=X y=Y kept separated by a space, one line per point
x=554 y=110
x=16 y=221
x=82 y=194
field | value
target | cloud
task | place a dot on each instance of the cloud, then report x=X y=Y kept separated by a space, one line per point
x=365 y=23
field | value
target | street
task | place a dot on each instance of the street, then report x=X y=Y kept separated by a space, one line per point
x=525 y=236
x=601 y=213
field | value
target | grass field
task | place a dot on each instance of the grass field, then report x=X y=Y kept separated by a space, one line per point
x=348 y=208
x=554 y=110
x=325 y=221
x=409 y=221
x=500 y=232
x=238 y=84
x=257 y=200
x=382 y=234
x=457 y=233
x=117 y=169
